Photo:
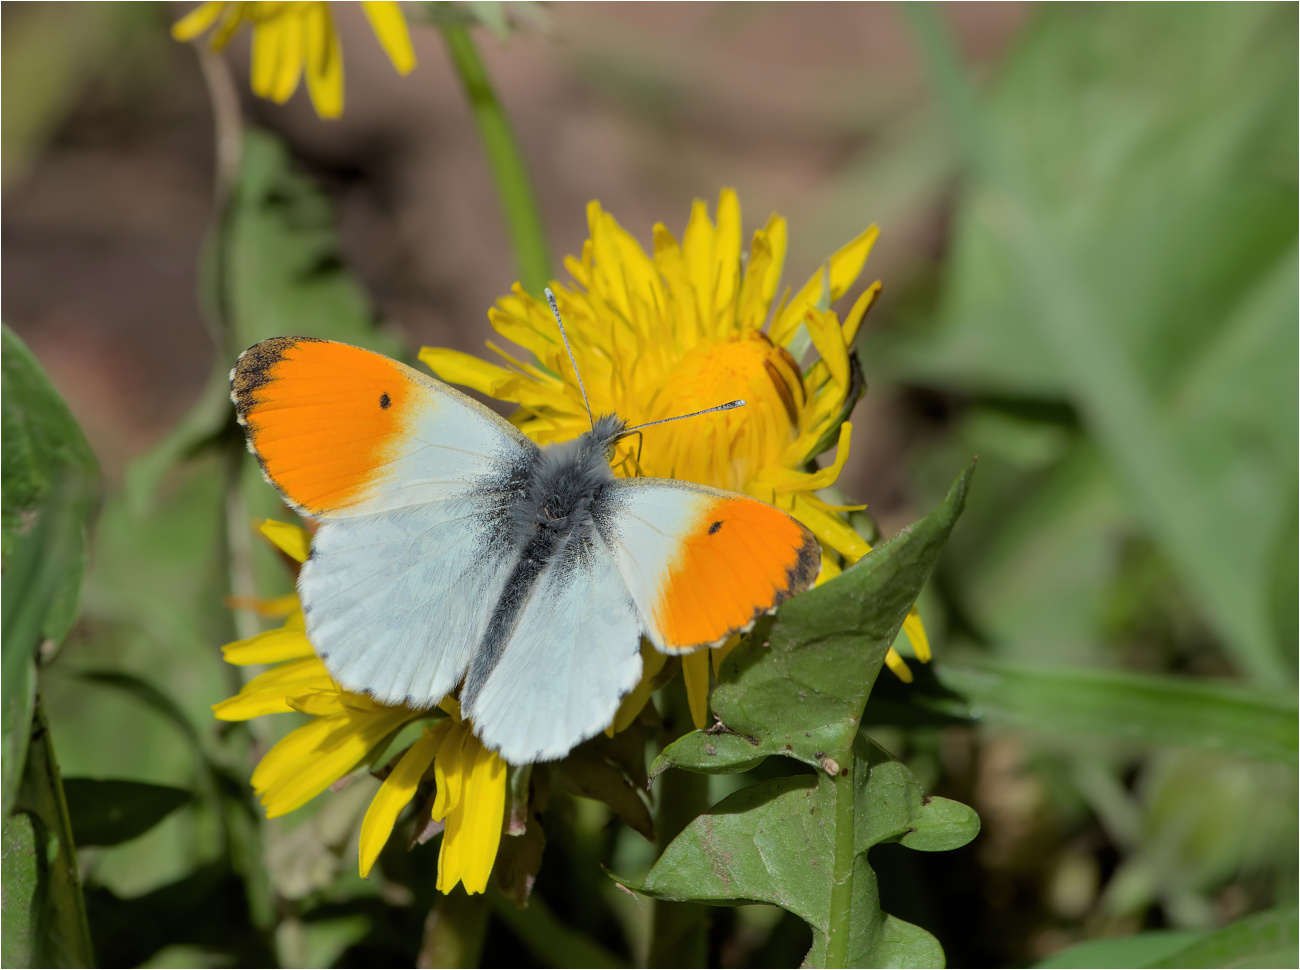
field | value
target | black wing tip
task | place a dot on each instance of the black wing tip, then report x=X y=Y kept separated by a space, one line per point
x=252 y=369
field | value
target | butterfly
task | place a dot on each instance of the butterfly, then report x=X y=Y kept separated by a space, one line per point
x=453 y=551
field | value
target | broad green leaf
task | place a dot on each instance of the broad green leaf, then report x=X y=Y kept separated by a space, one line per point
x=801 y=842
x=42 y=447
x=42 y=902
x=21 y=886
x=48 y=488
x=113 y=811
x=798 y=685
x=1270 y=939
x=1140 y=950
x=1144 y=708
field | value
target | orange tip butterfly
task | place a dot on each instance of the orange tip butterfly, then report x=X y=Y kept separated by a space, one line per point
x=453 y=551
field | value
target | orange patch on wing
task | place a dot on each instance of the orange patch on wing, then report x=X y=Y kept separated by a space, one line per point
x=322 y=416
x=739 y=560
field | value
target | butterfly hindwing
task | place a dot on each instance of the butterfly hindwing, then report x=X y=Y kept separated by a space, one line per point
x=701 y=563
x=343 y=431
x=396 y=602
x=571 y=652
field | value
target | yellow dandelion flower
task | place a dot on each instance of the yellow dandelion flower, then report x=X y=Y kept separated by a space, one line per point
x=348 y=731
x=694 y=324
x=288 y=37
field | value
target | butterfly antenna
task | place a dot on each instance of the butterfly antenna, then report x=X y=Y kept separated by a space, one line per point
x=739 y=403
x=550 y=298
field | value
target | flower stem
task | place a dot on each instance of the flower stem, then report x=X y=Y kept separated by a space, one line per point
x=678 y=937
x=523 y=217
x=454 y=931
x=840 y=925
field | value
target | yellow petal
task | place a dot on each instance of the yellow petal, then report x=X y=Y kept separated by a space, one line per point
x=326 y=702
x=829 y=529
x=197 y=20
x=685 y=307
x=267 y=55
x=698 y=244
x=898 y=665
x=390 y=27
x=720 y=654
x=270 y=647
x=324 y=62
x=456 y=367
x=292 y=540
x=866 y=299
x=232 y=18
x=270 y=692
x=452 y=707
x=393 y=795
x=776 y=233
x=652 y=661
x=824 y=329
x=473 y=832
x=695 y=671
x=830 y=569
x=916 y=635
x=843 y=268
x=277 y=606
x=788 y=480
x=447 y=770
x=751 y=311
x=292 y=42
x=308 y=760
x=726 y=262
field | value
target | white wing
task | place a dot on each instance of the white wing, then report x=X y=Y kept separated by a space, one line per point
x=572 y=655
x=396 y=602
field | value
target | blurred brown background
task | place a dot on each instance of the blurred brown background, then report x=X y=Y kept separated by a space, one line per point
x=816 y=110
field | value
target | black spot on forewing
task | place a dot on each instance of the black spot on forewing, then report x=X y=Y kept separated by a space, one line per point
x=715 y=527
x=385 y=401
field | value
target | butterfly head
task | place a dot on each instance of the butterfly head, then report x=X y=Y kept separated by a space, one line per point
x=567 y=477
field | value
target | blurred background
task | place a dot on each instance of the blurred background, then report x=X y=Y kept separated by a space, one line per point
x=1089 y=264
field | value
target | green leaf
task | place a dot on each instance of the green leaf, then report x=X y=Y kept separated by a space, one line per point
x=115 y=811
x=42 y=901
x=1270 y=939
x=48 y=489
x=800 y=841
x=1140 y=950
x=1142 y=708
x=23 y=863
x=798 y=685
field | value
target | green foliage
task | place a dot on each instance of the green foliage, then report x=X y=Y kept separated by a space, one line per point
x=797 y=688
x=1140 y=708
x=49 y=482
x=48 y=489
x=110 y=812
x=1113 y=333
x=1095 y=262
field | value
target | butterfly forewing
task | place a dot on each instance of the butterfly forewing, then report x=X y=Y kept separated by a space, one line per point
x=342 y=431
x=701 y=563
